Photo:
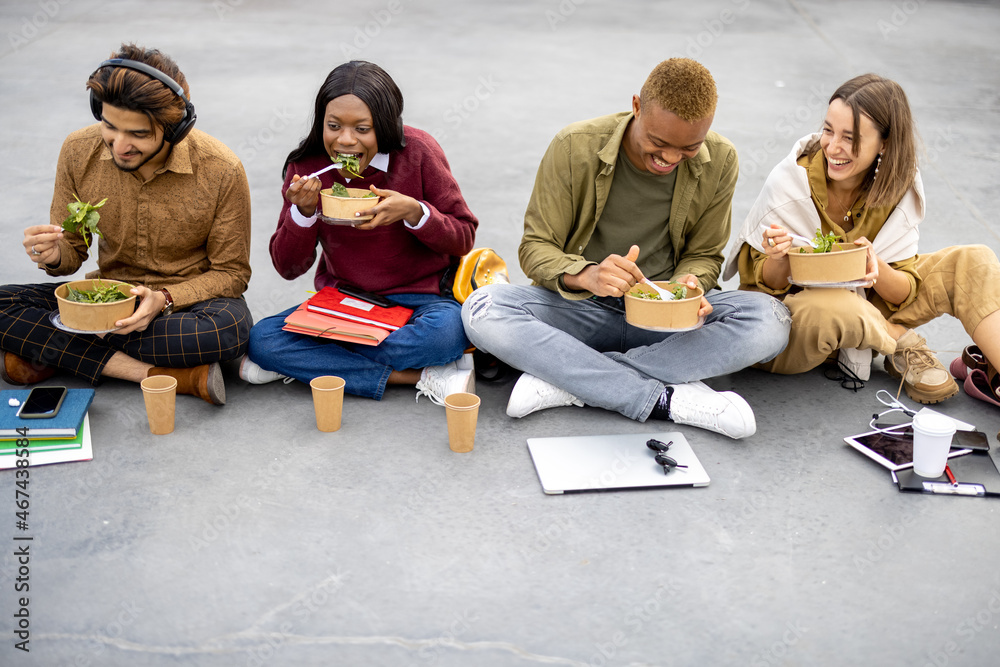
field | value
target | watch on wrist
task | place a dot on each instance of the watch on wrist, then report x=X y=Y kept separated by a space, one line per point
x=168 y=307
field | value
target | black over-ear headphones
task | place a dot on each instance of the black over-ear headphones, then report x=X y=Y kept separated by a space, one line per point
x=172 y=134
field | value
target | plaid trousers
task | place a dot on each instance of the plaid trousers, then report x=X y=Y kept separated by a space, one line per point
x=209 y=331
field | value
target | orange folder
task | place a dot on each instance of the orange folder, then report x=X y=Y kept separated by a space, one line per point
x=304 y=321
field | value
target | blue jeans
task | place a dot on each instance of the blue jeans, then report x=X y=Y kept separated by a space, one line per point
x=591 y=352
x=432 y=337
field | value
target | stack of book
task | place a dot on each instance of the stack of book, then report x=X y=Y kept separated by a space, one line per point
x=338 y=316
x=65 y=437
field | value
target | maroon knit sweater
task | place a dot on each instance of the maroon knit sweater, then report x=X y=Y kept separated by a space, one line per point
x=390 y=258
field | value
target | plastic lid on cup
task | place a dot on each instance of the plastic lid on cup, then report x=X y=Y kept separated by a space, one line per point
x=932 y=424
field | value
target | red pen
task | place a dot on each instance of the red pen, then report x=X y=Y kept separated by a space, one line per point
x=951 y=476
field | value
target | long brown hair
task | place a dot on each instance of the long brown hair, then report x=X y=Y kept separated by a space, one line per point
x=884 y=103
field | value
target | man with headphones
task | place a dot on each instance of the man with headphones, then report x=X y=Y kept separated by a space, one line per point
x=176 y=225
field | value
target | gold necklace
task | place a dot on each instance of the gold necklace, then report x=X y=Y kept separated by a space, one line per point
x=840 y=203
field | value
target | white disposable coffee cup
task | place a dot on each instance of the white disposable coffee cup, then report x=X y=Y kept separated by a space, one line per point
x=931 y=444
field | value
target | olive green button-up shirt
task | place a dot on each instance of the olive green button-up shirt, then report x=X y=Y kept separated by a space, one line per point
x=186 y=229
x=571 y=189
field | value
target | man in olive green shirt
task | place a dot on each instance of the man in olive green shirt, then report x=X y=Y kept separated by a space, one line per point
x=642 y=194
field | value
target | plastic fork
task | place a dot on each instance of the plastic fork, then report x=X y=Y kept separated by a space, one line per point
x=666 y=295
x=803 y=239
x=335 y=165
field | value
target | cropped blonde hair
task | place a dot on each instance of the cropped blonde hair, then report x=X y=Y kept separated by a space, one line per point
x=683 y=87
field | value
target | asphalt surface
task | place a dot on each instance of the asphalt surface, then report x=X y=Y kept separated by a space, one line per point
x=247 y=537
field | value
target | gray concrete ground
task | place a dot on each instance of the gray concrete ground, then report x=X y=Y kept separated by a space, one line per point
x=249 y=538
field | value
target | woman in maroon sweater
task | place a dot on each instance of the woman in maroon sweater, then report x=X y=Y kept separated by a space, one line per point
x=420 y=229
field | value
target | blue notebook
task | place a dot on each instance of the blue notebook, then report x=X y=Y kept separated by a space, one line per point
x=63 y=425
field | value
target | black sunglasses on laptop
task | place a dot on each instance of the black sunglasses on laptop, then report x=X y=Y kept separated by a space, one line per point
x=661 y=457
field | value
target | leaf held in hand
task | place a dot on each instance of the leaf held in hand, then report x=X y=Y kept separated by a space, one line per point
x=83 y=218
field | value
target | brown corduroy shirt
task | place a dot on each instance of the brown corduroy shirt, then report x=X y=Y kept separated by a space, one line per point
x=186 y=229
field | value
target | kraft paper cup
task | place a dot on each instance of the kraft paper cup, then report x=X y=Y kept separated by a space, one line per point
x=931 y=443
x=160 y=394
x=463 y=411
x=328 y=401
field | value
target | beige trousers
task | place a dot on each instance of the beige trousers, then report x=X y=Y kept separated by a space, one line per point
x=963 y=281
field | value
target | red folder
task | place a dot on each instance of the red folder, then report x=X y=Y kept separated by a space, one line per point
x=330 y=301
x=323 y=326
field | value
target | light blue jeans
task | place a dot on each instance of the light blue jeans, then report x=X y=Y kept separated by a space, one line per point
x=591 y=352
x=432 y=337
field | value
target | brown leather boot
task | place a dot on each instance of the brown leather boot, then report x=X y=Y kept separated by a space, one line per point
x=203 y=381
x=18 y=370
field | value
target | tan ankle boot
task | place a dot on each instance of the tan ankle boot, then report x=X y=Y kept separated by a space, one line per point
x=925 y=379
x=203 y=381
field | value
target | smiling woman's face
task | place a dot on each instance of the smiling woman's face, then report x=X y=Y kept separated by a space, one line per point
x=347 y=128
x=842 y=165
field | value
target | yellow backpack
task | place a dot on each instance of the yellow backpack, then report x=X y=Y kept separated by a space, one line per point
x=480 y=267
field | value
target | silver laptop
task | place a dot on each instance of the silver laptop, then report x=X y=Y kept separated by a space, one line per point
x=577 y=463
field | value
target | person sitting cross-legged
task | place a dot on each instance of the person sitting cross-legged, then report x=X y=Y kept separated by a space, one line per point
x=644 y=193
x=420 y=229
x=176 y=225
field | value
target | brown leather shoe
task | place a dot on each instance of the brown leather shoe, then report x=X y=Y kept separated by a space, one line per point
x=205 y=381
x=18 y=370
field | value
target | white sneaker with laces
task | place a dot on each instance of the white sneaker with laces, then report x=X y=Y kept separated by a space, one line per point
x=254 y=374
x=531 y=394
x=725 y=412
x=437 y=382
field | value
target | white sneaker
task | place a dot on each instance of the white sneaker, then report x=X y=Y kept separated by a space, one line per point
x=531 y=394
x=725 y=412
x=466 y=362
x=254 y=374
x=437 y=382
x=857 y=361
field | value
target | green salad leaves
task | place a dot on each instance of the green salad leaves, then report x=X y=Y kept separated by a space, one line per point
x=352 y=164
x=678 y=291
x=100 y=294
x=825 y=242
x=339 y=190
x=83 y=218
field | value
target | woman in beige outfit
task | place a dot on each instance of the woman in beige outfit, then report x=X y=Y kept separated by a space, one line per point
x=858 y=179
